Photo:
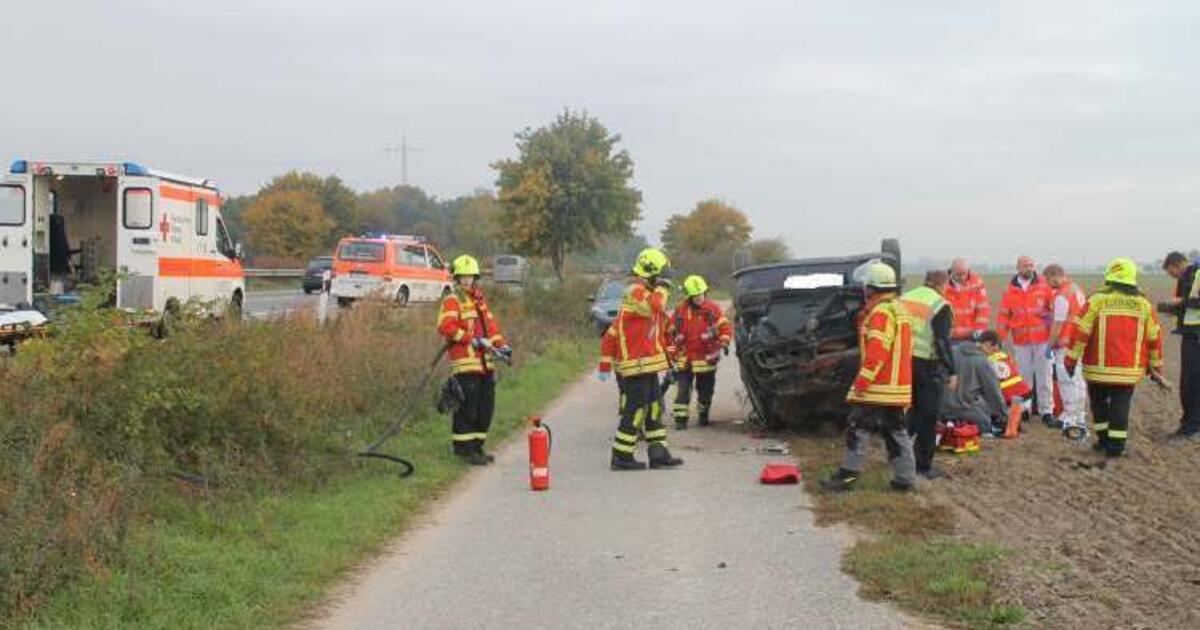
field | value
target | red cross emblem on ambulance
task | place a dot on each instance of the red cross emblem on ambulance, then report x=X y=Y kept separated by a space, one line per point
x=164 y=227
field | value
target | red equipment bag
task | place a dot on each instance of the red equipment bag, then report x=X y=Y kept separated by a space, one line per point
x=959 y=438
x=780 y=473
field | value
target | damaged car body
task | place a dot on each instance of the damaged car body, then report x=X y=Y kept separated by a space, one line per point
x=797 y=338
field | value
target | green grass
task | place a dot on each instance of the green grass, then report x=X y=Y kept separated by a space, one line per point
x=262 y=562
x=912 y=558
x=938 y=576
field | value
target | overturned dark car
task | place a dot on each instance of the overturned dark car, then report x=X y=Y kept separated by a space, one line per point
x=796 y=335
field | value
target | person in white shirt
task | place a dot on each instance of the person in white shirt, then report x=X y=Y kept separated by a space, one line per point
x=1069 y=301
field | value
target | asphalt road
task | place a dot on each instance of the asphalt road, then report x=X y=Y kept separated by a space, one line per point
x=704 y=546
x=264 y=303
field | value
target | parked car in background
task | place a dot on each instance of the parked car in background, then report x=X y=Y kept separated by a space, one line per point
x=605 y=303
x=509 y=269
x=396 y=267
x=315 y=274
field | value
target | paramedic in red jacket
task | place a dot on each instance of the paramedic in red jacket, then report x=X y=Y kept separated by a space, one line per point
x=702 y=333
x=1026 y=313
x=969 y=298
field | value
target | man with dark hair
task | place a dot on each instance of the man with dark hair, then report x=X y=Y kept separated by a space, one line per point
x=1186 y=308
x=932 y=319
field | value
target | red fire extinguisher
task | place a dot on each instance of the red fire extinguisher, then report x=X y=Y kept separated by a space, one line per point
x=540 y=440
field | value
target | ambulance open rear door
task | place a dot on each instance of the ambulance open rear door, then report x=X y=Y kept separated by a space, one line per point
x=16 y=237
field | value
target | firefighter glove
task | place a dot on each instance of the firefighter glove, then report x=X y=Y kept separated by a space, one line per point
x=603 y=376
x=480 y=342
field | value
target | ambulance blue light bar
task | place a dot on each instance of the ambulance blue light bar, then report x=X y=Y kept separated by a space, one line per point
x=134 y=169
x=19 y=167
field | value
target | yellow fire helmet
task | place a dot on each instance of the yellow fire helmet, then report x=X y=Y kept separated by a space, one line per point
x=694 y=286
x=650 y=263
x=878 y=275
x=464 y=266
x=1121 y=271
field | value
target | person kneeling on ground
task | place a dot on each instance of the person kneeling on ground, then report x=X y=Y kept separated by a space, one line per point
x=474 y=341
x=978 y=398
x=702 y=333
x=1119 y=341
x=883 y=388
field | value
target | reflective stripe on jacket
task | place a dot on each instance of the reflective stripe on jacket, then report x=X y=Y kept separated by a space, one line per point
x=972 y=311
x=700 y=334
x=922 y=304
x=1012 y=384
x=462 y=318
x=1026 y=313
x=1191 y=308
x=636 y=342
x=1117 y=338
x=885 y=349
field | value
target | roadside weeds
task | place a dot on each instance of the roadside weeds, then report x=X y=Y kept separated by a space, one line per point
x=909 y=554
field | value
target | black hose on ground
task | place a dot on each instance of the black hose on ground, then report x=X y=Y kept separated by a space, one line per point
x=372 y=450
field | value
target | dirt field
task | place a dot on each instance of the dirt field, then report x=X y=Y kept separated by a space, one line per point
x=1097 y=544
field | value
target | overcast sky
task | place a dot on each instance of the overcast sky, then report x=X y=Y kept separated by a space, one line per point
x=1067 y=130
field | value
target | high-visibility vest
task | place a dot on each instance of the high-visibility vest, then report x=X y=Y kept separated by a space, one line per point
x=1191 y=316
x=1012 y=384
x=922 y=304
x=885 y=353
x=636 y=342
x=1117 y=338
x=464 y=317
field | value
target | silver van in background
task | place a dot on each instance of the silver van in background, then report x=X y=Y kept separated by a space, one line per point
x=510 y=269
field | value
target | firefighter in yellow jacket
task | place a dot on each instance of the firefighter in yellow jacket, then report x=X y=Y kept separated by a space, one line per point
x=882 y=390
x=474 y=344
x=637 y=347
x=1119 y=342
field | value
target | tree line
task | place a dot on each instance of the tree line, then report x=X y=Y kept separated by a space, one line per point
x=567 y=194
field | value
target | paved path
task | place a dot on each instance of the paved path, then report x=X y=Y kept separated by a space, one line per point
x=278 y=302
x=700 y=547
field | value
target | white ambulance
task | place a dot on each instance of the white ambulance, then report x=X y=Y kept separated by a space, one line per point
x=63 y=223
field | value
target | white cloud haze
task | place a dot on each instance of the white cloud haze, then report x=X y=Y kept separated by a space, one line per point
x=1066 y=130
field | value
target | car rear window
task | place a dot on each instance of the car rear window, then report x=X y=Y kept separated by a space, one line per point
x=611 y=290
x=508 y=260
x=361 y=251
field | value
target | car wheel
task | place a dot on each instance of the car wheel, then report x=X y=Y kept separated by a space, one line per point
x=402 y=297
x=891 y=247
x=344 y=302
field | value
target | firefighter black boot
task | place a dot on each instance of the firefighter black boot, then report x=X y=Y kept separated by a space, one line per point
x=626 y=461
x=660 y=457
x=703 y=420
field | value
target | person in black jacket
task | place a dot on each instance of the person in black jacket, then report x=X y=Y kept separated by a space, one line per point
x=1186 y=308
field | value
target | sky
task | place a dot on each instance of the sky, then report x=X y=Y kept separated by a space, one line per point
x=1067 y=130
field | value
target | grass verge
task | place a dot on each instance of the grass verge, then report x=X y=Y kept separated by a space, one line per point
x=910 y=555
x=263 y=561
